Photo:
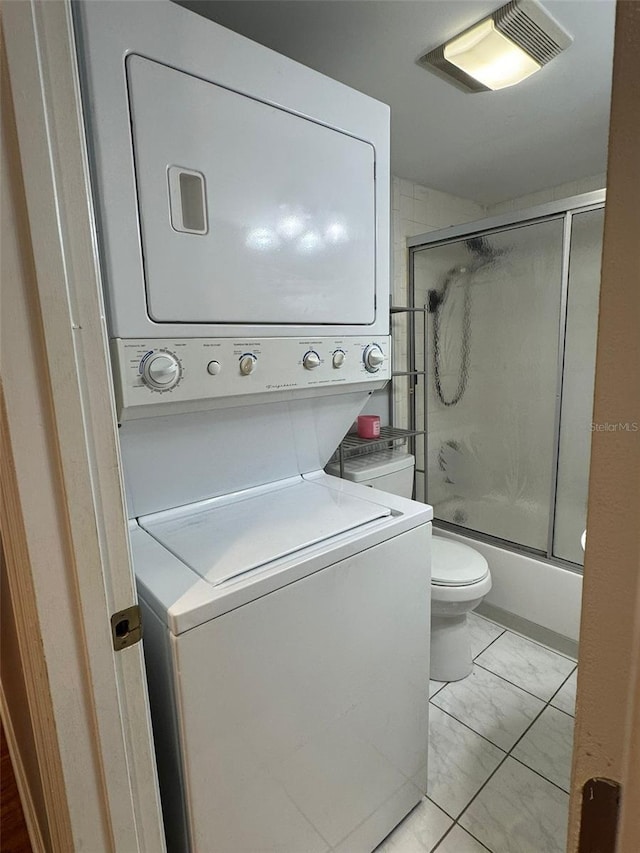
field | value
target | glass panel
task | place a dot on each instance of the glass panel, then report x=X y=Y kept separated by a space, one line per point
x=191 y=191
x=491 y=391
x=577 y=388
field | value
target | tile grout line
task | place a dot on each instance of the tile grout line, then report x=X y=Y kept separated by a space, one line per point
x=541 y=775
x=440 y=807
x=480 y=789
x=562 y=685
x=562 y=711
x=541 y=645
x=482 y=651
x=451 y=828
x=536 y=643
x=473 y=660
x=445 y=684
x=438 y=843
x=546 y=702
x=547 y=705
x=481 y=843
x=467 y=726
x=506 y=681
x=507 y=753
x=529 y=727
x=513 y=684
x=531 y=724
x=487 y=780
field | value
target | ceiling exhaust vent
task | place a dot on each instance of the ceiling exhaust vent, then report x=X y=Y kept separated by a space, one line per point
x=502 y=49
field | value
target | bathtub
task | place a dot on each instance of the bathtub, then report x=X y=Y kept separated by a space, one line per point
x=536 y=597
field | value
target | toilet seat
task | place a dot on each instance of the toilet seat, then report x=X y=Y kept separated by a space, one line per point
x=455 y=564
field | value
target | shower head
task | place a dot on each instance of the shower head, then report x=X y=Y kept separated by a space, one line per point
x=483 y=251
x=480 y=247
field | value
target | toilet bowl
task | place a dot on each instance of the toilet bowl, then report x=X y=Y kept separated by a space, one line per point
x=460 y=579
x=460 y=576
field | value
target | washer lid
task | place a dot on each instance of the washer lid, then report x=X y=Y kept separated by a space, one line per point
x=223 y=538
x=455 y=564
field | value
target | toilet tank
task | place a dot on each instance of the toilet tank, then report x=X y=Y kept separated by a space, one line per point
x=388 y=470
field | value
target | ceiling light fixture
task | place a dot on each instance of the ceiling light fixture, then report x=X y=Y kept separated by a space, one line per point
x=501 y=50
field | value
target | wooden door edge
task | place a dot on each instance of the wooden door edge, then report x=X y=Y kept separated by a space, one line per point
x=31 y=817
x=23 y=600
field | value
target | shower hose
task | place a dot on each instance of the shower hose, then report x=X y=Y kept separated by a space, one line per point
x=464 y=347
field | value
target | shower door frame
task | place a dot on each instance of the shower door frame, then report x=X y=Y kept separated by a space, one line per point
x=563 y=209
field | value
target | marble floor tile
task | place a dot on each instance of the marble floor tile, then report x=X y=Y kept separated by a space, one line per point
x=460 y=761
x=459 y=841
x=434 y=686
x=565 y=698
x=547 y=746
x=526 y=664
x=419 y=832
x=519 y=812
x=481 y=633
x=490 y=706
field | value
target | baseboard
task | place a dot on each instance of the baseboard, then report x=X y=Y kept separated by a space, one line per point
x=544 y=636
x=28 y=808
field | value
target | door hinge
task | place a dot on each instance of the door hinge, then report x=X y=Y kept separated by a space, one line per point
x=126 y=627
x=599 y=816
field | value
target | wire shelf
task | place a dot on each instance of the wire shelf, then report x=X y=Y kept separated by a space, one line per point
x=353 y=445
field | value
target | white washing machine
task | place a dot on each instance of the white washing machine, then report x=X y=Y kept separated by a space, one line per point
x=242 y=217
x=288 y=625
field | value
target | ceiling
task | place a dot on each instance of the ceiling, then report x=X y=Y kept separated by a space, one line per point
x=487 y=146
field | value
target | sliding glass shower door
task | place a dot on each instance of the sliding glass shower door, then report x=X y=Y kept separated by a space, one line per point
x=577 y=385
x=494 y=312
x=512 y=317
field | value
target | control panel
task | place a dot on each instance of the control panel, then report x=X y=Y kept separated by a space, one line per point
x=152 y=371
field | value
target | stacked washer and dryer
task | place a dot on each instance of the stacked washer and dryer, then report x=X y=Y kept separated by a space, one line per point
x=242 y=216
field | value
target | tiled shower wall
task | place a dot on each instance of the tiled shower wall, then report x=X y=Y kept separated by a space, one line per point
x=416 y=210
x=584 y=185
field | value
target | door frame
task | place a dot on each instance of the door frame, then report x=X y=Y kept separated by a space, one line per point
x=64 y=519
x=607 y=726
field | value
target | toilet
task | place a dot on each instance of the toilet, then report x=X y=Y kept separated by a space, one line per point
x=460 y=576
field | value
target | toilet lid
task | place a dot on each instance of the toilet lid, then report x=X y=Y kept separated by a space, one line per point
x=455 y=564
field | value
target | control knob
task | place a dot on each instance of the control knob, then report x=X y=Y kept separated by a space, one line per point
x=311 y=360
x=373 y=358
x=247 y=364
x=161 y=371
x=338 y=358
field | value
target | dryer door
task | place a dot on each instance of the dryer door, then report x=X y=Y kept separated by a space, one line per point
x=248 y=213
